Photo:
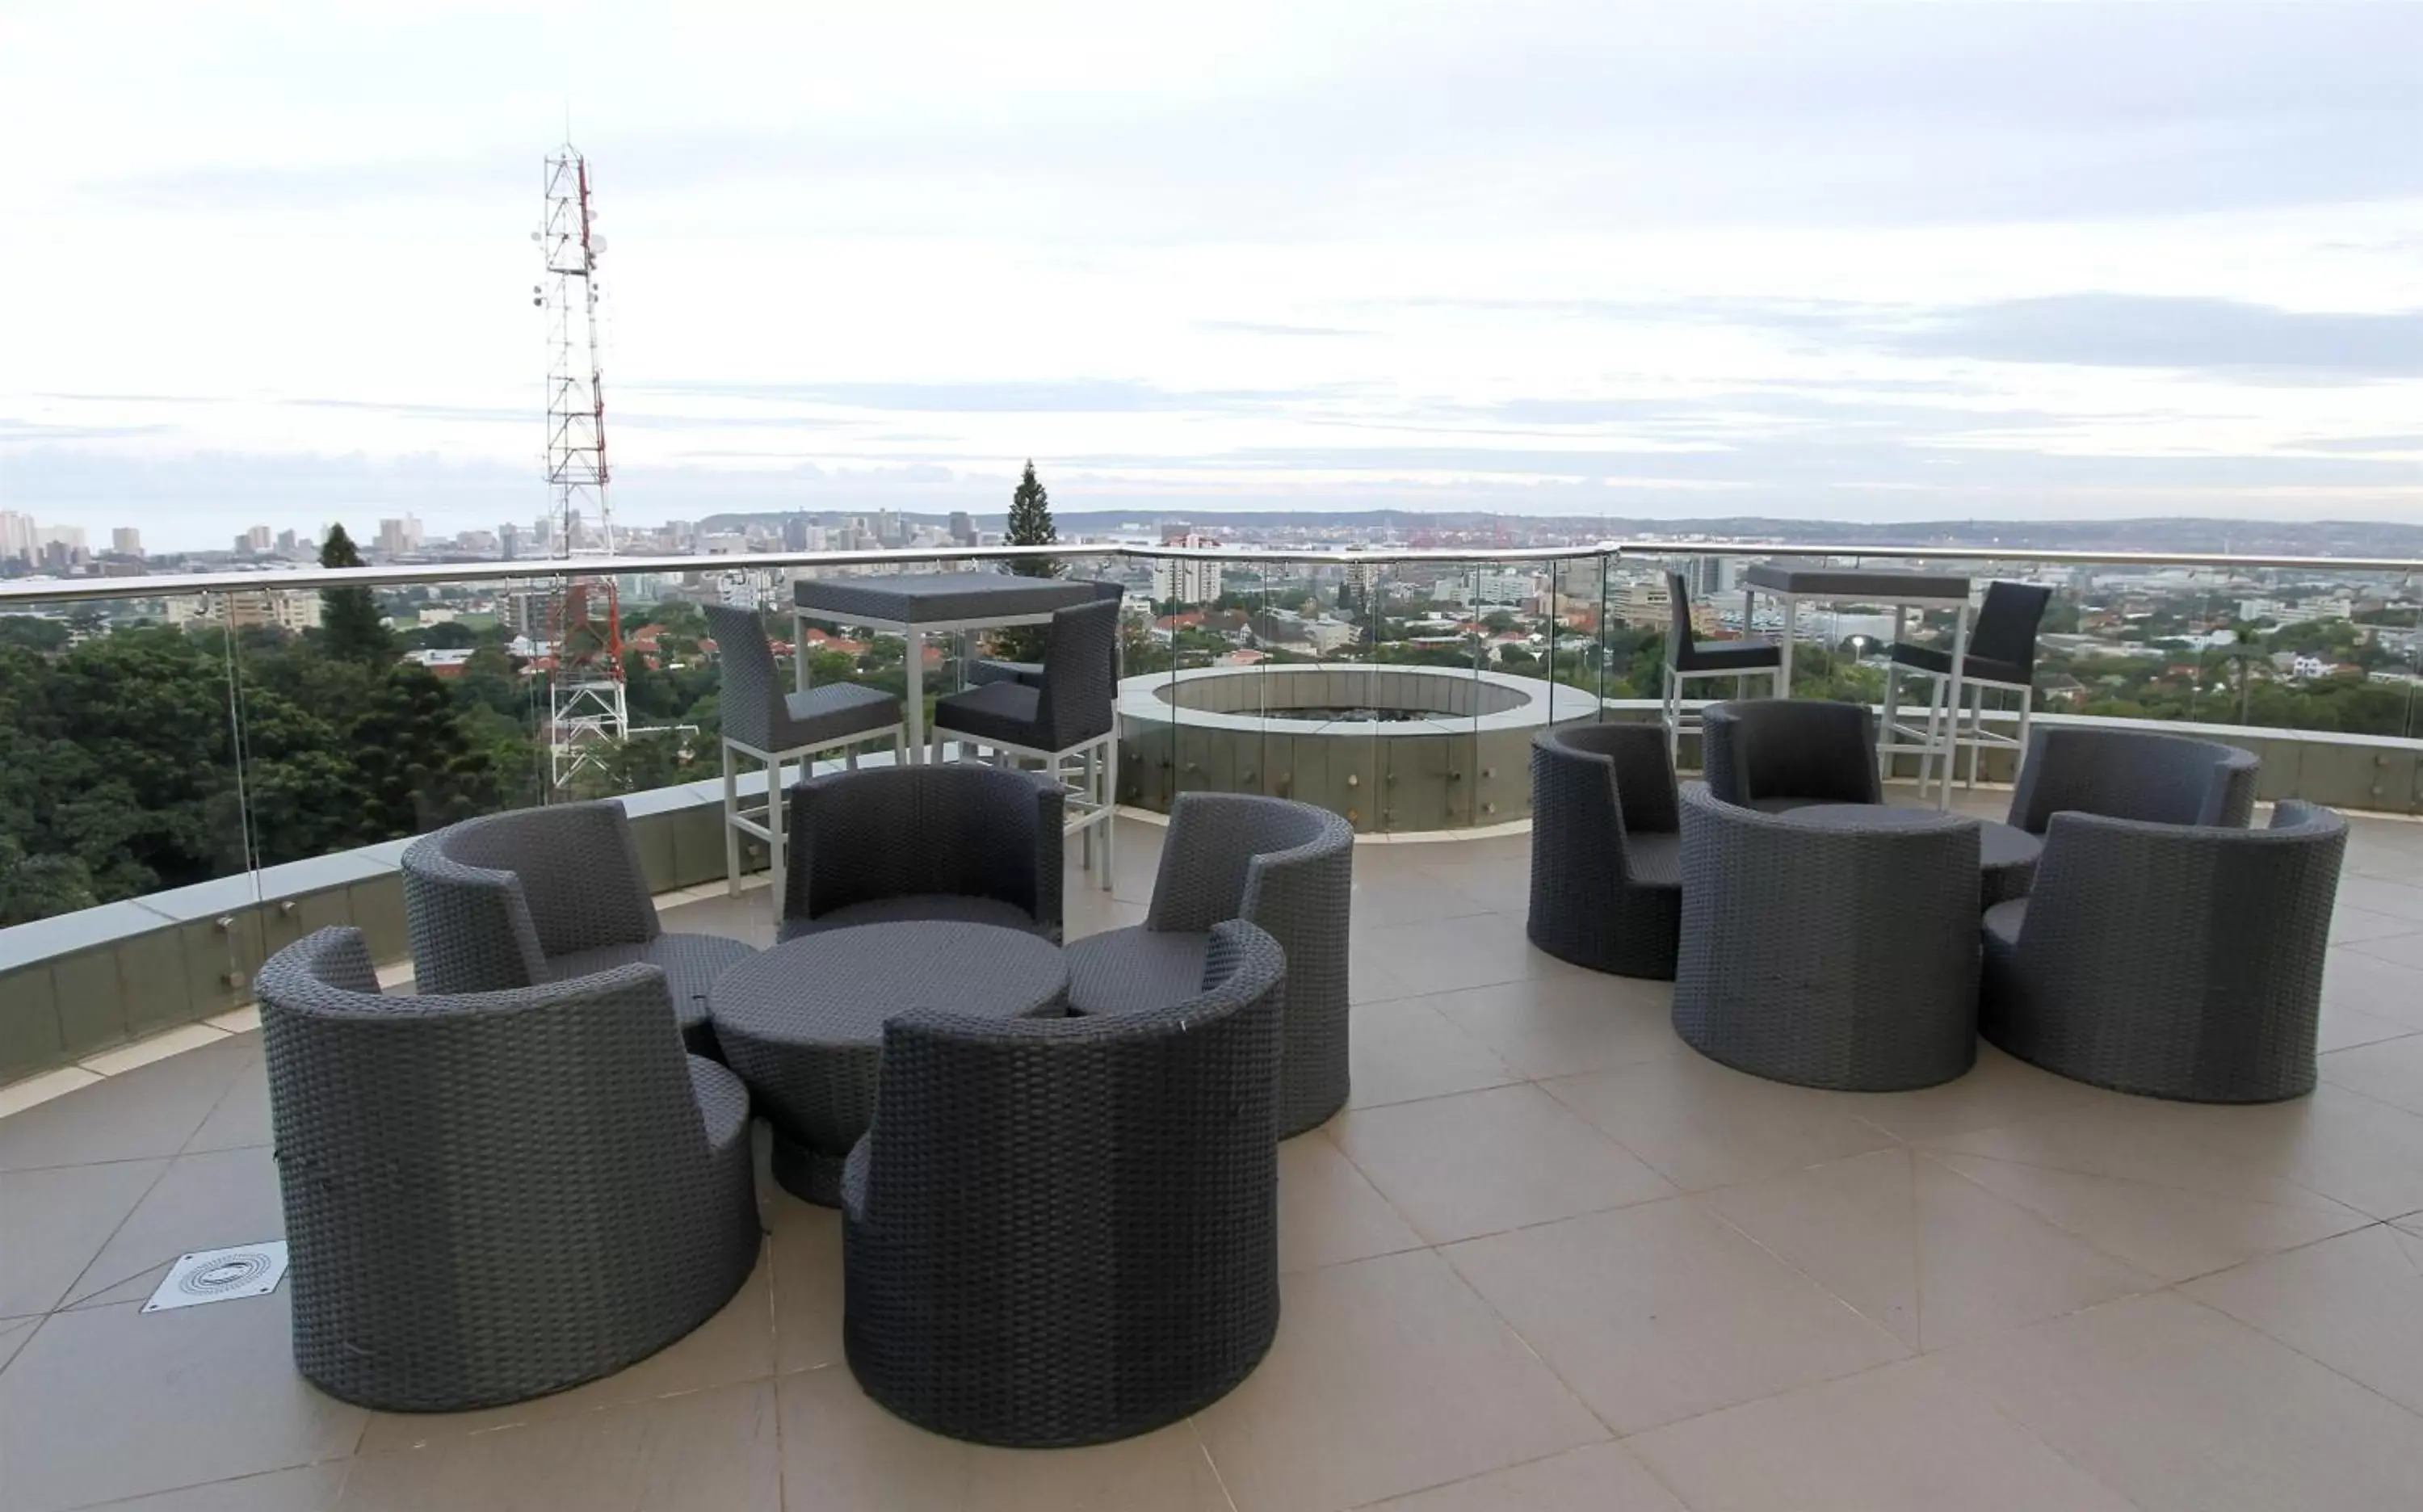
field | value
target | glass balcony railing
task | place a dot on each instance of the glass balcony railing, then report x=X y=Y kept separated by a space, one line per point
x=232 y=761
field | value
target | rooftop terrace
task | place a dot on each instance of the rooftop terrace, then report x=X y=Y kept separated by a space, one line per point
x=1548 y=1258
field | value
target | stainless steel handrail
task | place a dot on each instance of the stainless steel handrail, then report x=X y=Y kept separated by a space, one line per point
x=76 y=590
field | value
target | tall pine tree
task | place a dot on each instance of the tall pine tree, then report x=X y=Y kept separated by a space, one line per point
x=1030 y=524
x=349 y=617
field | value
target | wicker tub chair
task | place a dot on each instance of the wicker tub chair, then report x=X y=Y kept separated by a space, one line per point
x=2136 y=774
x=1065 y=1230
x=2182 y=961
x=539 y=895
x=1774 y=754
x=1606 y=867
x=493 y=1196
x=1284 y=865
x=1843 y=957
x=959 y=841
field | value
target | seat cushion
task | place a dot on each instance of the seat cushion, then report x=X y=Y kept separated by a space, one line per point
x=1010 y=713
x=1728 y=655
x=834 y=712
x=2002 y=922
x=1136 y=969
x=1929 y=659
x=1780 y=805
x=690 y=961
x=722 y=1103
x=1653 y=860
x=917 y=907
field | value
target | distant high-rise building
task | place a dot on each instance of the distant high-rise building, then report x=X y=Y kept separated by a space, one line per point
x=887 y=528
x=1713 y=575
x=126 y=541
x=795 y=533
x=963 y=530
x=508 y=541
x=247 y=608
x=287 y=544
x=16 y=536
x=1187 y=581
x=398 y=536
x=257 y=539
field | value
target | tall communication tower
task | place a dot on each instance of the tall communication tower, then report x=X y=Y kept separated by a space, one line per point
x=588 y=715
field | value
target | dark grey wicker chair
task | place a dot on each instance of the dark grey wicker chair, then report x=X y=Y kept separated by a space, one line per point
x=494 y=1197
x=1606 y=864
x=1031 y=673
x=2139 y=775
x=2182 y=961
x=1068 y=722
x=1065 y=1230
x=766 y=723
x=1842 y=956
x=537 y=895
x=1774 y=754
x=1284 y=865
x=978 y=844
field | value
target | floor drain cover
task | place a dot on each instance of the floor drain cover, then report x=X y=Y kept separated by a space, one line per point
x=217 y=1275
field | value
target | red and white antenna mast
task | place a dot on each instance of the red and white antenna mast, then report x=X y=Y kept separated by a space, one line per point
x=589 y=714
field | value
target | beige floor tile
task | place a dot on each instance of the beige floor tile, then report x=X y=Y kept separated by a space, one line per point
x=1402 y=1050
x=2350 y=924
x=13 y=1334
x=1561 y=1026
x=142 y=1053
x=1448 y=955
x=149 y=1111
x=1929 y=1254
x=2164 y=1231
x=2385 y=989
x=2391 y=1070
x=33 y=1091
x=1998 y=1089
x=2400 y=949
x=305 y=1488
x=1328 y=1212
x=202 y=1202
x=2342 y=1026
x=108 y=1403
x=842 y=1452
x=1600 y=1477
x=1390 y=896
x=1662 y=1312
x=736 y=1344
x=241 y=1119
x=2355 y=1303
x=1387 y=1376
x=803 y=1247
x=1702 y=1125
x=53 y=1221
x=1371 y=980
x=1902 y=1438
x=2375 y=895
x=2182 y=1409
x=1479 y=1162
x=2336 y=1143
x=237 y=1021
x=715 y=1451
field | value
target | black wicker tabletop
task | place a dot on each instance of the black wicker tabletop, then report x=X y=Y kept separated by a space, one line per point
x=803 y=1023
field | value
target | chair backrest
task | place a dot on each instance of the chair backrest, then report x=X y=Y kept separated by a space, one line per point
x=1679 y=635
x=1079 y=685
x=2136 y=774
x=487 y=900
x=1637 y=768
x=752 y=683
x=1804 y=748
x=958 y=829
x=2006 y=624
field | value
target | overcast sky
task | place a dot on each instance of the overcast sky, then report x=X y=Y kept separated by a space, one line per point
x=274 y=264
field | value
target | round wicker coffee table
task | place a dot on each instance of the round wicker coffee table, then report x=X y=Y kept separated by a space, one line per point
x=2006 y=856
x=803 y=1023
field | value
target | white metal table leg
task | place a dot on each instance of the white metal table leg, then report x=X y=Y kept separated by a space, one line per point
x=915 y=669
x=1960 y=665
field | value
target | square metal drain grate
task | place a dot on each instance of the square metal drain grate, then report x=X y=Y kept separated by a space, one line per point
x=219 y=1275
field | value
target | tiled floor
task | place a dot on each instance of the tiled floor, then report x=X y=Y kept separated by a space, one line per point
x=1547 y=1261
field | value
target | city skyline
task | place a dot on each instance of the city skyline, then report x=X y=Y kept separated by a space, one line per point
x=1891 y=263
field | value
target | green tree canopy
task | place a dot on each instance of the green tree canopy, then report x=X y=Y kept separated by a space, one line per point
x=1030 y=524
x=349 y=617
